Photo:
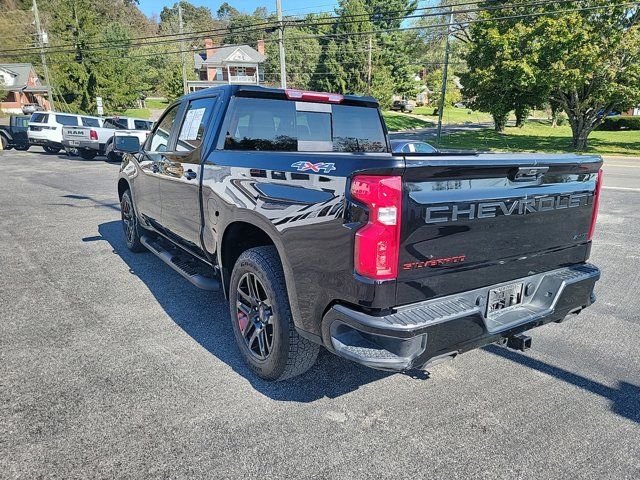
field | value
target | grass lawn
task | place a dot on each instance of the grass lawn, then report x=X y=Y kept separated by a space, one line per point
x=137 y=113
x=156 y=103
x=397 y=121
x=541 y=137
x=453 y=115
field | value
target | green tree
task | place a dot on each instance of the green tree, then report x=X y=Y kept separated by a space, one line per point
x=585 y=61
x=503 y=73
x=591 y=63
x=345 y=57
x=302 y=55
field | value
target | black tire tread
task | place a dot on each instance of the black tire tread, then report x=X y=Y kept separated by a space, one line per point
x=137 y=245
x=302 y=353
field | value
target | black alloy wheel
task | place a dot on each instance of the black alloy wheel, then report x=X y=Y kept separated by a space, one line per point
x=255 y=315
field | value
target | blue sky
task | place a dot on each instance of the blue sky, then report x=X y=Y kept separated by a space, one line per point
x=291 y=7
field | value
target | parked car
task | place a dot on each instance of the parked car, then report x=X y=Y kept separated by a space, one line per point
x=293 y=204
x=45 y=128
x=411 y=146
x=98 y=140
x=402 y=106
x=14 y=135
x=30 y=108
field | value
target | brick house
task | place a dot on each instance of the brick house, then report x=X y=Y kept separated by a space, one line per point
x=20 y=86
x=228 y=65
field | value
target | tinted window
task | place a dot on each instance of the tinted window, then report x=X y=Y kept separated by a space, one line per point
x=142 y=125
x=110 y=123
x=261 y=124
x=40 y=118
x=357 y=129
x=276 y=125
x=22 y=121
x=193 y=125
x=116 y=123
x=90 y=122
x=159 y=140
x=67 y=120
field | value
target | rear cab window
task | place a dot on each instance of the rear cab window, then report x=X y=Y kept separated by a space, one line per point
x=116 y=123
x=90 y=122
x=290 y=126
x=142 y=125
x=67 y=120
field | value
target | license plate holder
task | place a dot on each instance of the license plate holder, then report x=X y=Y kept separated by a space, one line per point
x=504 y=298
x=74 y=143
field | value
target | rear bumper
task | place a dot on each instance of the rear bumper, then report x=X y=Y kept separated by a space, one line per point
x=415 y=335
x=85 y=144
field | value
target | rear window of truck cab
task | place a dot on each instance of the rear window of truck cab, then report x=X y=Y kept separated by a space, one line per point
x=289 y=126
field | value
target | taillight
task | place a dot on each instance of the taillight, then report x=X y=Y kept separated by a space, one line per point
x=378 y=242
x=323 y=97
x=93 y=135
x=596 y=202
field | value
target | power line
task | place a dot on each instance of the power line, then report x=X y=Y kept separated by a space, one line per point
x=272 y=24
x=351 y=34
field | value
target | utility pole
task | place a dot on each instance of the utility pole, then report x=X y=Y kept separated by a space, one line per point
x=444 y=76
x=42 y=57
x=369 y=68
x=283 y=67
x=184 y=65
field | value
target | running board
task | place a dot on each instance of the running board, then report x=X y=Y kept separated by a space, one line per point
x=187 y=266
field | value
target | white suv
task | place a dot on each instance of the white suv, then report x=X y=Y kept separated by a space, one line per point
x=45 y=128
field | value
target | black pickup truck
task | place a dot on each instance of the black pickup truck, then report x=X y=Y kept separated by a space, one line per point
x=14 y=135
x=294 y=205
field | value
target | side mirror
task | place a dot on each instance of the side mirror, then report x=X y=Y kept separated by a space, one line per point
x=126 y=144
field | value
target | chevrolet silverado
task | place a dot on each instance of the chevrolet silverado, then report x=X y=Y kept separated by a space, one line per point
x=293 y=204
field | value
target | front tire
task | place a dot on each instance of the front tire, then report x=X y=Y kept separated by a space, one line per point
x=261 y=318
x=130 y=225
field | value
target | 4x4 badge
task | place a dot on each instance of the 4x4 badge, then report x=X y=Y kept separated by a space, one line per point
x=314 y=167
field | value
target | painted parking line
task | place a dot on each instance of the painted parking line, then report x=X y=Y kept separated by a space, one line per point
x=622 y=189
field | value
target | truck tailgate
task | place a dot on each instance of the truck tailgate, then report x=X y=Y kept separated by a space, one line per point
x=479 y=220
x=76 y=133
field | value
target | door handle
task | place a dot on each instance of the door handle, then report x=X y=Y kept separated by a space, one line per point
x=190 y=174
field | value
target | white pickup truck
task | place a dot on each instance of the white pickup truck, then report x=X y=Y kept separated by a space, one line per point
x=92 y=141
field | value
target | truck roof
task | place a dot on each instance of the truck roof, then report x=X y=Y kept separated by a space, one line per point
x=259 y=91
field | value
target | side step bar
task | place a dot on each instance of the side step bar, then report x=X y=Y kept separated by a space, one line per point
x=189 y=268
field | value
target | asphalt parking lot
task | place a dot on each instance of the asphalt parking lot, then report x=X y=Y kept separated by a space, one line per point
x=111 y=365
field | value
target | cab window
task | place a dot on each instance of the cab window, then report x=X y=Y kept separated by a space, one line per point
x=193 y=126
x=159 y=139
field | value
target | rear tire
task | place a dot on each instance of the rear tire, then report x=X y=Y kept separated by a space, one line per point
x=261 y=318
x=130 y=225
x=87 y=154
x=51 y=149
x=111 y=155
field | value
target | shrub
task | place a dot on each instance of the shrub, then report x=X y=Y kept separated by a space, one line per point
x=617 y=123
